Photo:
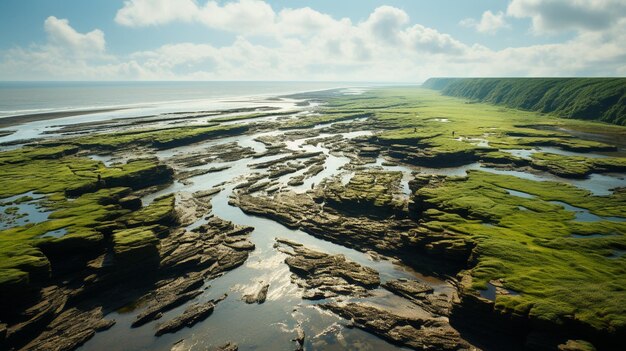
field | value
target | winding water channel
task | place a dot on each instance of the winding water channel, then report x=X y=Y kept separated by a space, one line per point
x=271 y=325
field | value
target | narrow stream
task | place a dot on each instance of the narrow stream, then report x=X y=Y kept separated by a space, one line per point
x=271 y=325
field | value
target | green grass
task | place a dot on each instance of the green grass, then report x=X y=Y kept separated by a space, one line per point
x=23 y=248
x=161 y=138
x=251 y=116
x=160 y=211
x=328 y=117
x=36 y=153
x=367 y=192
x=20 y=247
x=525 y=242
x=532 y=250
x=602 y=99
x=128 y=240
x=577 y=166
x=445 y=128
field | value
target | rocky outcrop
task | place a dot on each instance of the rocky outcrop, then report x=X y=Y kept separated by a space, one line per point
x=419 y=333
x=258 y=297
x=192 y=315
x=163 y=271
x=229 y=346
x=323 y=275
x=216 y=153
x=218 y=244
x=160 y=211
x=400 y=238
x=35 y=317
x=136 y=248
x=132 y=203
x=70 y=329
x=139 y=174
x=170 y=295
x=299 y=339
x=431 y=157
x=422 y=295
x=285 y=159
x=371 y=193
x=382 y=235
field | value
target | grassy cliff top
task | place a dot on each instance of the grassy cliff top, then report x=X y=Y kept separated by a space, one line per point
x=602 y=99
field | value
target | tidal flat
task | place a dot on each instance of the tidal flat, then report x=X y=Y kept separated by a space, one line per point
x=373 y=219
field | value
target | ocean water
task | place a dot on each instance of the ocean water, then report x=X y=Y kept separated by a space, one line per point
x=105 y=101
x=19 y=98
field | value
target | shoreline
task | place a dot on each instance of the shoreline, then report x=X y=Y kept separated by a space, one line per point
x=11 y=121
x=15 y=120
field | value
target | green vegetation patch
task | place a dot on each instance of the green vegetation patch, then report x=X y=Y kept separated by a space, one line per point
x=136 y=247
x=325 y=118
x=577 y=166
x=159 y=138
x=36 y=153
x=602 y=99
x=21 y=247
x=422 y=127
x=560 y=269
x=73 y=226
x=160 y=211
x=251 y=116
x=367 y=192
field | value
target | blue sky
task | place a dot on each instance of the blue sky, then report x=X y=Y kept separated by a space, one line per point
x=309 y=40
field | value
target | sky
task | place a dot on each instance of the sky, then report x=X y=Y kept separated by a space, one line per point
x=300 y=40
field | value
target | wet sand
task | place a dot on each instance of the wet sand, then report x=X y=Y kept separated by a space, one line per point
x=21 y=119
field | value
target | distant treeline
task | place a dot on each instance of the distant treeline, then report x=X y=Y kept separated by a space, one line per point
x=602 y=99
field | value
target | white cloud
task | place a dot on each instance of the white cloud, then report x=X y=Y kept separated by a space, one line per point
x=386 y=23
x=304 y=44
x=67 y=55
x=307 y=22
x=62 y=36
x=489 y=22
x=239 y=16
x=137 y=13
x=561 y=15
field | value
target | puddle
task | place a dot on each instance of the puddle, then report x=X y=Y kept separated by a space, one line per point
x=527 y=153
x=597 y=184
x=590 y=236
x=521 y=153
x=583 y=215
x=22 y=209
x=406 y=173
x=55 y=233
x=555 y=150
x=520 y=194
x=107 y=160
x=450 y=171
x=353 y=91
x=492 y=291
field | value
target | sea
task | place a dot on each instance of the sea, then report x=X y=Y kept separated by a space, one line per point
x=102 y=101
x=20 y=98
